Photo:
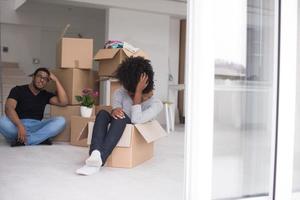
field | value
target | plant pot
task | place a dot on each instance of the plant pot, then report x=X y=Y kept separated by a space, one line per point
x=85 y=111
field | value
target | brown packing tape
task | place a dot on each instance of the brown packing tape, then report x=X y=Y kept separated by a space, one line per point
x=76 y=63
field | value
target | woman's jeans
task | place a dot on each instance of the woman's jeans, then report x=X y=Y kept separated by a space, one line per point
x=36 y=131
x=105 y=138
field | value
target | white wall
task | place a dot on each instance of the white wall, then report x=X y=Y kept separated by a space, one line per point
x=33 y=31
x=149 y=32
x=23 y=43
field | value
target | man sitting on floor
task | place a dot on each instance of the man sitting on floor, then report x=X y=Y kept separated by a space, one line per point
x=24 y=109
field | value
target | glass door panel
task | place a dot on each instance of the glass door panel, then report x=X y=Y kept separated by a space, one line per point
x=245 y=98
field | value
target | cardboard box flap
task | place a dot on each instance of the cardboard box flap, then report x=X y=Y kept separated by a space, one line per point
x=90 y=132
x=84 y=133
x=125 y=140
x=65 y=30
x=106 y=54
x=136 y=54
x=151 y=131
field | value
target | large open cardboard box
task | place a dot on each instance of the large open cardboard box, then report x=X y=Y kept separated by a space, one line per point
x=109 y=59
x=75 y=53
x=65 y=112
x=135 y=145
x=74 y=81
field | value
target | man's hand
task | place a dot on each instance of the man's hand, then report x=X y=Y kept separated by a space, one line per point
x=118 y=113
x=61 y=99
x=53 y=77
x=142 y=84
x=22 y=134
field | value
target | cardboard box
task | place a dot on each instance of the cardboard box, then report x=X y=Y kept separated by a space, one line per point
x=79 y=127
x=66 y=112
x=134 y=147
x=74 y=81
x=75 y=53
x=107 y=87
x=109 y=59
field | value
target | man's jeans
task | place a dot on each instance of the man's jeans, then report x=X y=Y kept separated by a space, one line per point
x=36 y=131
x=105 y=139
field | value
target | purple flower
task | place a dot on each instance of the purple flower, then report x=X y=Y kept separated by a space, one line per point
x=95 y=93
x=86 y=91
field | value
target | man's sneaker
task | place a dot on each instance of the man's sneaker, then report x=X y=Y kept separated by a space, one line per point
x=46 y=142
x=16 y=143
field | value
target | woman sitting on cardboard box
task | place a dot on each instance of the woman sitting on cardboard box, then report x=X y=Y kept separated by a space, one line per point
x=132 y=103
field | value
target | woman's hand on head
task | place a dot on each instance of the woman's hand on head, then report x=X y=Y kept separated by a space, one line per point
x=142 y=84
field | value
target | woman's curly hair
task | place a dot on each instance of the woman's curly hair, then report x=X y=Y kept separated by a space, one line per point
x=130 y=70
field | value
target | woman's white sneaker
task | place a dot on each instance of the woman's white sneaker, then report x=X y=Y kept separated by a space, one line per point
x=87 y=170
x=94 y=160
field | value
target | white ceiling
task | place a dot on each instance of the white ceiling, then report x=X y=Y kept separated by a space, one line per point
x=175 y=8
x=178 y=0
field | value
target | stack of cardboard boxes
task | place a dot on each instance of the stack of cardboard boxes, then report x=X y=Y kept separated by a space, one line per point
x=74 y=61
x=74 y=71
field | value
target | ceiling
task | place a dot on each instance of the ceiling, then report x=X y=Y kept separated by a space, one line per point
x=175 y=8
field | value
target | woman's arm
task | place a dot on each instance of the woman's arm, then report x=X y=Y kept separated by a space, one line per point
x=138 y=116
x=117 y=111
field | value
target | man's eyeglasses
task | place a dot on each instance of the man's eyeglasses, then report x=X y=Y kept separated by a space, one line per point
x=46 y=79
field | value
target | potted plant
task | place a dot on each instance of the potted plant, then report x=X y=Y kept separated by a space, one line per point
x=87 y=101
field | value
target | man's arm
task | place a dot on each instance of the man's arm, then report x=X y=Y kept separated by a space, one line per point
x=61 y=99
x=10 y=111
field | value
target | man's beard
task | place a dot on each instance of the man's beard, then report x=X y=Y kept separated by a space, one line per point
x=35 y=87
